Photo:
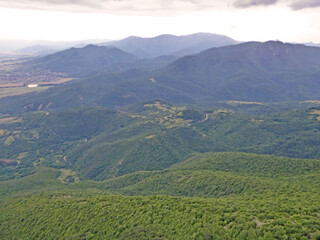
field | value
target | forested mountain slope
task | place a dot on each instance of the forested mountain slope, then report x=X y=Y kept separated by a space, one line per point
x=253 y=72
x=100 y=143
x=255 y=197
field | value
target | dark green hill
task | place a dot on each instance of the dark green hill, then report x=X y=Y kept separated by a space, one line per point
x=44 y=179
x=216 y=175
x=250 y=164
x=251 y=202
x=87 y=215
x=202 y=175
x=78 y=61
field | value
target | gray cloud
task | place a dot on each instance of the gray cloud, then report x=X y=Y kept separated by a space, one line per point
x=149 y=7
x=52 y=4
x=298 y=5
x=117 y=6
x=253 y=3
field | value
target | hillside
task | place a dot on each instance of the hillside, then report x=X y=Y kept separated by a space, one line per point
x=77 y=61
x=156 y=142
x=216 y=175
x=265 y=72
x=202 y=175
x=174 y=169
x=259 y=201
x=42 y=138
x=250 y=72
x=86 y=215
x=100 y=144
x=171 y=44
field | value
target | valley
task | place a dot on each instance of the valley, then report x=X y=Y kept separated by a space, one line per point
x=171 y=137
x=14 y=74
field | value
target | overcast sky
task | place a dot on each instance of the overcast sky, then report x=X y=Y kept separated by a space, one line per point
x=260 y=20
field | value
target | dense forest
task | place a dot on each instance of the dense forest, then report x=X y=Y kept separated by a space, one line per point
x=151 y=136
x=275 y=198
x=160 y=171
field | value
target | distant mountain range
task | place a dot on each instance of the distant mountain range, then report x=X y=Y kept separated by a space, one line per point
x=311 y=44
x=24 y=47
x=38 y=50
x=165 y=44
x=254 y=71
x=138 y=46
x=92 y=59
x=171 y=44
x=83 y=60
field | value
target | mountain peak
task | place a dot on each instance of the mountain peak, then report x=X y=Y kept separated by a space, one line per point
x=274 y=42
x=91 y=46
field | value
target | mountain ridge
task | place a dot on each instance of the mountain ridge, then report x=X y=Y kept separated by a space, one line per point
x=249 y=71
x=168 y=44
x=253 y=72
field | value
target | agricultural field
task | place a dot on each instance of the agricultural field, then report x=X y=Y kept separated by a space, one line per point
x=16 y=91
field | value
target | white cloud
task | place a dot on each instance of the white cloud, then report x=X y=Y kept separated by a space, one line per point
x=150 y=7
x=139 y=7
x=253 y=3
x=113 y=19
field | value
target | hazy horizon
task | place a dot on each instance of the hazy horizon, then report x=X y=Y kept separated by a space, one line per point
x=151 y=36
x=243 y=20
x=9 y=45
